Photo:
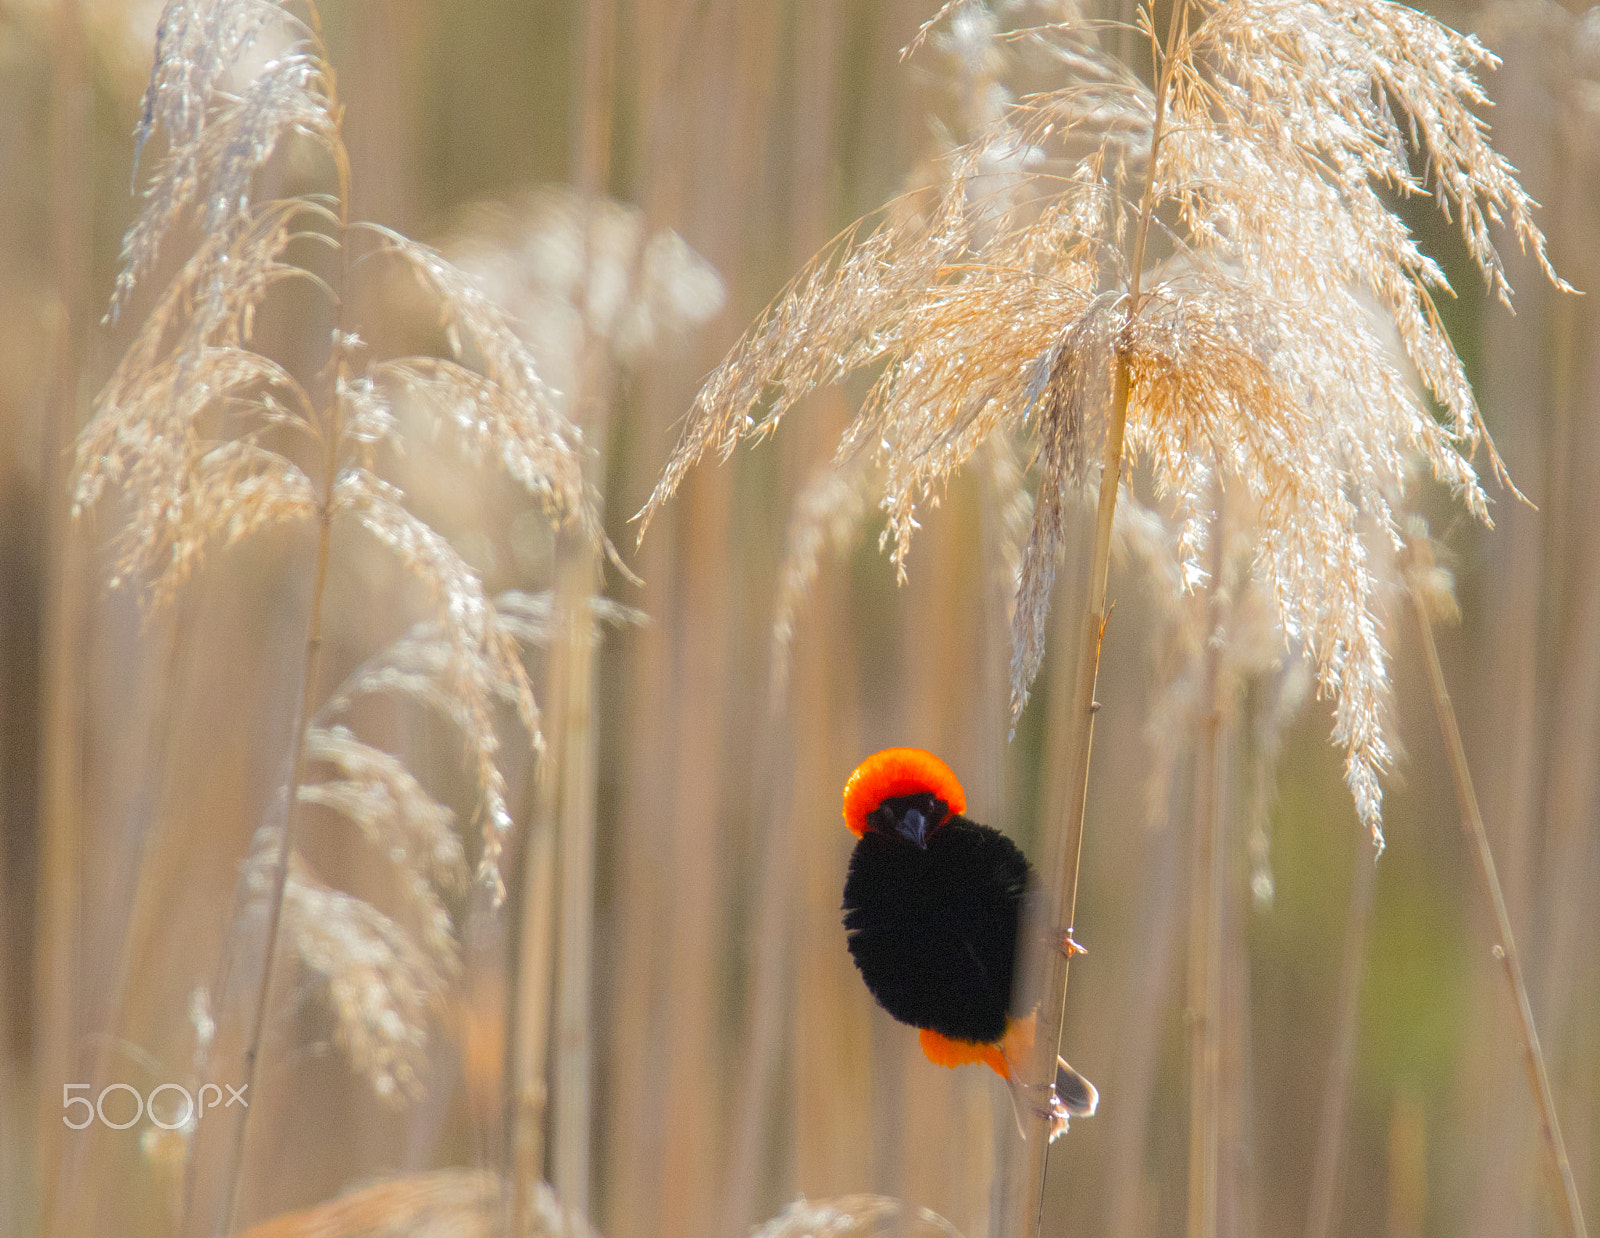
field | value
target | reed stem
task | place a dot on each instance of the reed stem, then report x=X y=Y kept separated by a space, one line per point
x=530 y=1088
x=580 y=578
x=574 y=1053
x=1141 y=1029
x=1062 y=898
x=151 y=884
x=1325 y=1168
x=337 y=371
x=1205 y=917
x=1564 y=1188
x=58 y=1002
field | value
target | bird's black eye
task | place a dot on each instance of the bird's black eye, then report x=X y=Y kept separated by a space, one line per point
x=912 y=817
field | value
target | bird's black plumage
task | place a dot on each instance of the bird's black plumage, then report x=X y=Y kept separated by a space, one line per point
x=933 y=928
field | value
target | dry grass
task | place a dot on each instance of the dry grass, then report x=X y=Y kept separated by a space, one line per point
x=209 y=440
x=354 y=788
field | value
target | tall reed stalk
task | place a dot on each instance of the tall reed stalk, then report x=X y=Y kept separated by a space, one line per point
x=153 y=885
x=777 y=835
x=58 y=1022
x=534 y=986
x=1206 y=863
x=662 y=43
x=579 y=578
x=1326 y=1166
x=212 y=440
x=1504 y=702
x=1140 y=1021
x=335 y=376
x=1073 y=748
x=702 y=735
x=1563 y=1186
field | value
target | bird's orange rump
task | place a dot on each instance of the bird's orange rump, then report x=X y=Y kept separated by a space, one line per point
x=942 y=1051
x=999 y=1056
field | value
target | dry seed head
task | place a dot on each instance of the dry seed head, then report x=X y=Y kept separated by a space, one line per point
x=854 y=1216
x=218 y=134
x=460 y=665
x=405 y=824
x=505 y=413
x=382 y=986
x=204 y=438
x=202 y=433
x=1429 y=581
x=532 y=618
x=1235 y=617
x=439 y=1203
x=827 y=516
x=480 y=660
x=1256 y=352
x=160 y=425
x=530 y=257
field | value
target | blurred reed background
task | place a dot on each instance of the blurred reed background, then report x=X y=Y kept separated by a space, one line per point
x=662 y=1020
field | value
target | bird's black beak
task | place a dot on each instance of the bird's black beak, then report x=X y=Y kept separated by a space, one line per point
x=915 y=827
x=913 y=817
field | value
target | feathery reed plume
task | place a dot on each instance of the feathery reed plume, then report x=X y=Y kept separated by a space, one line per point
x=1192 y=273
x=1253 y=342
x=442 y=1203
x=1248 y=638
x=381 y=981
x=827 y=517
x=465 y=1203
x=642 y=291
x=208 y=440
x=855 y=1216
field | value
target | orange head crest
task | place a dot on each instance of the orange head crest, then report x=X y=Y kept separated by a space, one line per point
x=895 y=772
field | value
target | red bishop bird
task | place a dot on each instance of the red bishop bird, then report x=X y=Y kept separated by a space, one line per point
x=933 y=904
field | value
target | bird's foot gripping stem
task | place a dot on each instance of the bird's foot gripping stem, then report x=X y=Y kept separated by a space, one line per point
x=1070 y=1096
